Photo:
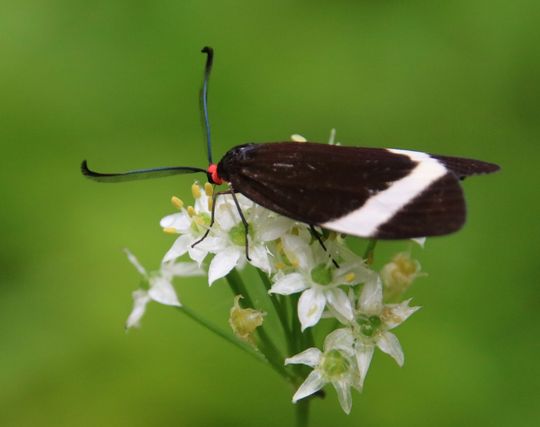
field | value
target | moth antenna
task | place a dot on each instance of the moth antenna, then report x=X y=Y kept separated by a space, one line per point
x=204 y=99
x=135 y=175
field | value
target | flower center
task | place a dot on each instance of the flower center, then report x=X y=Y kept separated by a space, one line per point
x=369 y=324
x=237 y=234
x=200 y=222
x=321 y=274
x=335 y=363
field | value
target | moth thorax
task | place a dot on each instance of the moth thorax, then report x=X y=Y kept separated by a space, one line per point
x=213 y=175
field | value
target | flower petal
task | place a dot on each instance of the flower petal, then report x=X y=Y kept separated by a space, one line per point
x=222 y=264
x=389 y=343
x=201 y=203
x=243 y=201
x=273 y=228
x=140 y=299
x=341 y=339
x=310 y=357
x=353 y=272
x=343 y=390
x=259 y=258
x=364 y=354
x=339 y=301
x=162 y=291
x=197 y=254
x=289 y=284
x=133 y=260
x=179 y=248
x=313 y=383
x=421 y=241
x=298 y=251
x=183 y=269
x=310 y=307
x=371 y=298
x=212 y=244
x=226 y=213
x=179 y=221
x=395 y=314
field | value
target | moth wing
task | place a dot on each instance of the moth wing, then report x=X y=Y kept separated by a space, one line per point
x=333 y=186
x=438 y=210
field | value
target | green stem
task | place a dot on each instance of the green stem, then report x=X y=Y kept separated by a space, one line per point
x=370 y=249
x=238 y=288
x=309 y=339
x=225 y=335
x=302 y=412
x=295 y=325
x=296 y=336
x=280 y=310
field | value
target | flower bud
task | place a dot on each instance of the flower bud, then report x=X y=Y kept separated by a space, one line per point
x=399 y=274
x=244 y=321
x=298 y=138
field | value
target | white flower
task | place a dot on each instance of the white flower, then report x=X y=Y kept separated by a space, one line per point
x=319 y=280
x=226 y=239
x=336 y=365
x=264 y=226
x=160 y=288
x=191 y=223
x=372 y=325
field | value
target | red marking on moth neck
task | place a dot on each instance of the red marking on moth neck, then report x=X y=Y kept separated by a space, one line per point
x=212 y=170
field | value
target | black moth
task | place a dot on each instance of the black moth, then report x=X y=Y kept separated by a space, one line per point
x=368 y=192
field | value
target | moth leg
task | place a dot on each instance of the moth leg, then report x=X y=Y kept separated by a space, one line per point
x=246 y=225
x=317 y=236
x=213 y=216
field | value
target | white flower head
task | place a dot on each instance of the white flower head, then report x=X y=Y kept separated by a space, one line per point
x=226 y=238
x=191 y=223
x=319 y=280
x=372 y=324
x=160 y=288
x=263 y=227
x=335 y=365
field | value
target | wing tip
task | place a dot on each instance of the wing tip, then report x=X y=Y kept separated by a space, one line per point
x=491 y=167
x=464 y=167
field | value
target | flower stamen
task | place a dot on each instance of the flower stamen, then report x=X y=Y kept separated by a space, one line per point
x=196 y=190
x=208 y=189
x=349 y=277
x=177 y=202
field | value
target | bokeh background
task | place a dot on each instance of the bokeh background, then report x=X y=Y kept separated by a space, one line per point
x=116 y=82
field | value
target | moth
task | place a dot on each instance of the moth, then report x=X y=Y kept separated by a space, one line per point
x=375 y=193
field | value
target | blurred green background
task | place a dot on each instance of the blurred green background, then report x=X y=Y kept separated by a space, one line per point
x=116 y=82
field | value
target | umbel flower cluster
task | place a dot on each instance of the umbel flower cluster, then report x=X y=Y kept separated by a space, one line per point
x=312 y=279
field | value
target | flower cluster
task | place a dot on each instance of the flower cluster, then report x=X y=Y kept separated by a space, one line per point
x=312 y=271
